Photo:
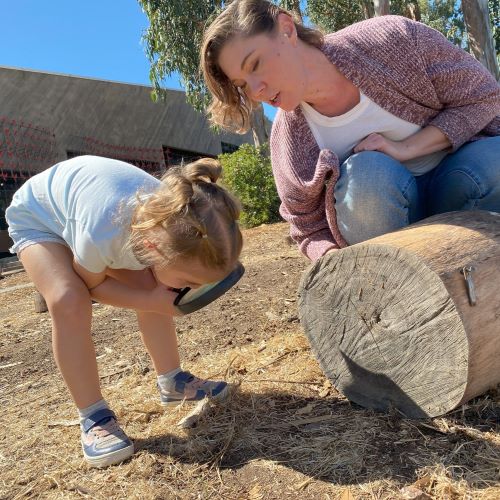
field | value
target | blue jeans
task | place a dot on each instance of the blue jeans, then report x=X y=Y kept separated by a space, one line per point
x=376 y=194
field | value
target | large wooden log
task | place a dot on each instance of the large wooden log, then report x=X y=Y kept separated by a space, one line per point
x=391 y=319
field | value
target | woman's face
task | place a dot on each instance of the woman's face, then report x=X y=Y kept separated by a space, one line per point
x=267 y=67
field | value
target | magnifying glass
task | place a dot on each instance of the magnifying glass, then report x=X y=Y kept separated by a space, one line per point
x=192 y=299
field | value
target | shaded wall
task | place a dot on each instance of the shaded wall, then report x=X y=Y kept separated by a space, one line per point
x=46 y=118
x=114 y=113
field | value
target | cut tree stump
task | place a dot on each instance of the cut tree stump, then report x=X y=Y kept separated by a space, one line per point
x=391 y=319
x=40 y=304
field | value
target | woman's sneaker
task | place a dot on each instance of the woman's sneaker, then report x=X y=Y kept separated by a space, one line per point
x=103 y=441
x=187 y=387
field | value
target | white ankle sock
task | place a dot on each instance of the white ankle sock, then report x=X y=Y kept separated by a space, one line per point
x=165 y=380
x=86 y=412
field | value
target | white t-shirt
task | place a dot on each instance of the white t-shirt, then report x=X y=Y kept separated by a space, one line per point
x=341 y=133
x=88 y=201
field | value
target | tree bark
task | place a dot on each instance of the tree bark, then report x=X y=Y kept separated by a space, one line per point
x=381 y=7
x=412 y=11
x=258 y=123
x=477 y=20
x=391 y=319
x=368 y=10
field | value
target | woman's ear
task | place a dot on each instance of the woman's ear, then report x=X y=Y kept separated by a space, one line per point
x=286 y=27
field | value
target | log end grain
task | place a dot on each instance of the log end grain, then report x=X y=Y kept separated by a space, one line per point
x=385 y=330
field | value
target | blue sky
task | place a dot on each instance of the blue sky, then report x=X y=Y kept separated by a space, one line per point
x=91 y=38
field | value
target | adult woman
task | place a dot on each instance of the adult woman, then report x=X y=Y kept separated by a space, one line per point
x=387 y=113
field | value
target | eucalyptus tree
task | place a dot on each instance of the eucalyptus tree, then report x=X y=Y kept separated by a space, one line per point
x=333 y=15
x=471 y=24
x=173 y=40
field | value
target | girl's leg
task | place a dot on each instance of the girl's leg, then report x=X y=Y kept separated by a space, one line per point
x=176 y=386
x=157 y=330
x=468 y=179
x=374 y=195
x=50 y=267
x=158 y=335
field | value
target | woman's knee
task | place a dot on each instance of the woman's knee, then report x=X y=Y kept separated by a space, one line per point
x=375 y=194
x=371 y=174
x=468 y=179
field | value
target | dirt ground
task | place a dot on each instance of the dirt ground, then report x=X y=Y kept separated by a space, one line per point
x=285 y=432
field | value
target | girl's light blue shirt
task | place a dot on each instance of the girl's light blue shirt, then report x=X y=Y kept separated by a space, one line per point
x=88 y=201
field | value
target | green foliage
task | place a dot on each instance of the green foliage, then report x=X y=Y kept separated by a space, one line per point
x=247 y=173
x=333 y=15
x=445 y=16
x=494 y=8
x=173 y=40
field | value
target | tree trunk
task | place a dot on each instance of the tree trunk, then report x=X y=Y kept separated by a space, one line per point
x=368 y=10
x=412 y=11
x=391 y=319
x=294 y=7
x=381 y=7
x=477 y=19
x=40 y=304
x=259 y=130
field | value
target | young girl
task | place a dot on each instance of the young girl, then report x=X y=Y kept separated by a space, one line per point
x=95 y=228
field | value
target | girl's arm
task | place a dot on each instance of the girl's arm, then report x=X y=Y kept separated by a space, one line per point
x=107 y=290
x=159 y=300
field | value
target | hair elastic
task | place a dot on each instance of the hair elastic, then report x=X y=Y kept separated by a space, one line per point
x=204 y=178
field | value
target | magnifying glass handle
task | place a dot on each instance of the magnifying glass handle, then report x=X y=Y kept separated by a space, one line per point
x=181 y=292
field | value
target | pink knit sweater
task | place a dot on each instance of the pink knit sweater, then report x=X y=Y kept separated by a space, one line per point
x=408 y=69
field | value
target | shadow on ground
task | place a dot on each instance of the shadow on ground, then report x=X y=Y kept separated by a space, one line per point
x=333 y=440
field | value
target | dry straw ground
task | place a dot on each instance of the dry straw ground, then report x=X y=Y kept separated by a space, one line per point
x=285 y=433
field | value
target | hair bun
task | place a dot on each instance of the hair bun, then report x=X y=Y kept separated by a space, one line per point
x=203 y=170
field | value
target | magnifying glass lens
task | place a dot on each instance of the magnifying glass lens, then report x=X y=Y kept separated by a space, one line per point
x=192 y=299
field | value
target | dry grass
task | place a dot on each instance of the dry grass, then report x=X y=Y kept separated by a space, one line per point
x=284 y=433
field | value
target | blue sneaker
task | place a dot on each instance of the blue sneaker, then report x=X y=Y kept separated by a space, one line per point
x=187 y=388
x=103 y=441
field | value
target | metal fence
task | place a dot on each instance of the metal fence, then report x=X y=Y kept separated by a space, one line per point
x=27 y=149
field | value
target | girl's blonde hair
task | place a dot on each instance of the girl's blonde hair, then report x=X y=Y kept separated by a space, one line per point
x=231 y=107
x=189 y=217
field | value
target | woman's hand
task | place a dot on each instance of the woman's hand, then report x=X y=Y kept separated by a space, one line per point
x=426 y=141
x=398 y=150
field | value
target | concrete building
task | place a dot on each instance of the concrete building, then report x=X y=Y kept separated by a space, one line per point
x=46 y=118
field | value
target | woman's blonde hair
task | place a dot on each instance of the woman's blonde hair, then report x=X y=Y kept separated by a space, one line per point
x=231 y=107
x=189 y=217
